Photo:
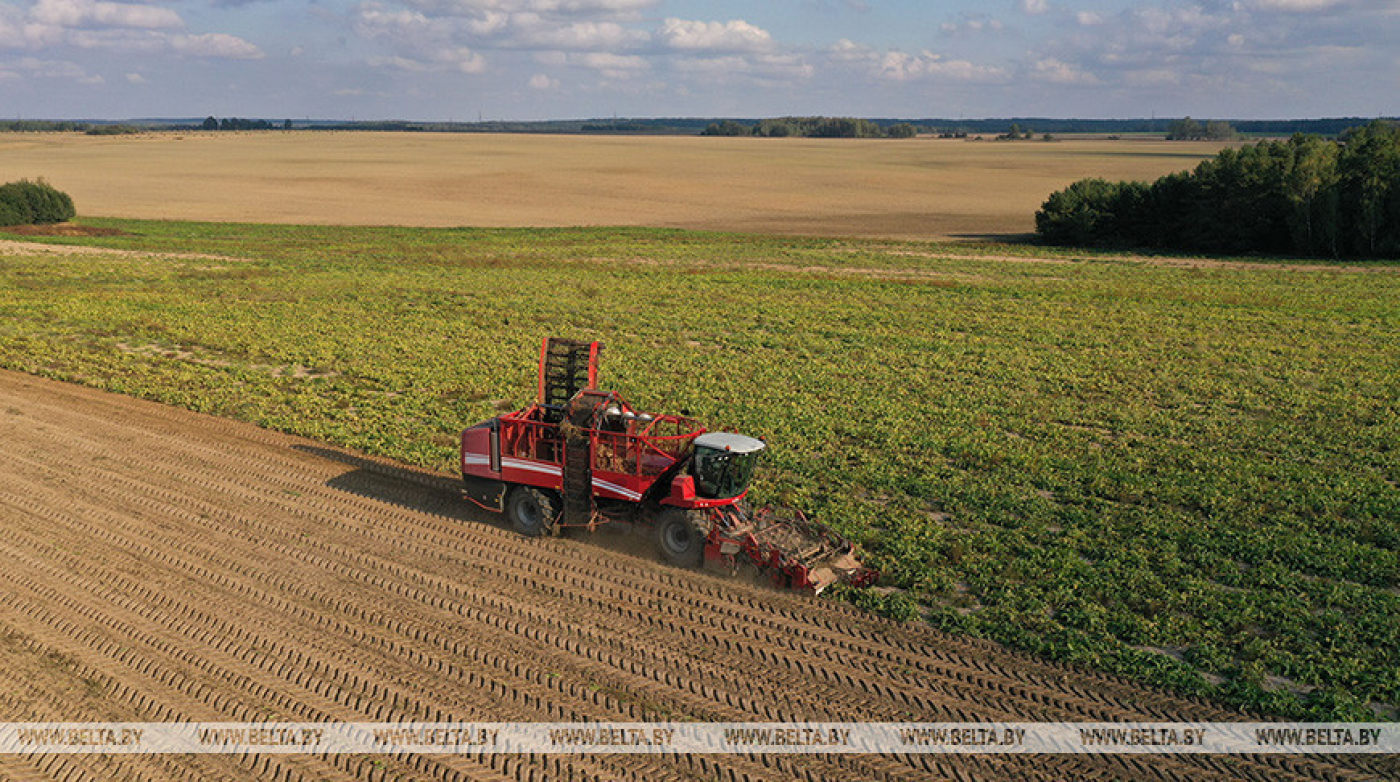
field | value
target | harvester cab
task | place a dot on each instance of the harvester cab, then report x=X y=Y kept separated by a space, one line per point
x=581 y=457
x=722 y=464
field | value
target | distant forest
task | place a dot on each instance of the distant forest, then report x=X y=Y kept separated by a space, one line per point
x=1305 y=196
x=816 y=126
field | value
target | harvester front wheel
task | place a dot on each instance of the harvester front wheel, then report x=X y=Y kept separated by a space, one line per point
x=532 y=512
x=680 y=538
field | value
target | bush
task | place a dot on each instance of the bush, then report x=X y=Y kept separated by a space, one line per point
x=28 y=203
x=113 y=130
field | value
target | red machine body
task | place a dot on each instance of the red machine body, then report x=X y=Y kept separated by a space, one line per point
x=580 y=457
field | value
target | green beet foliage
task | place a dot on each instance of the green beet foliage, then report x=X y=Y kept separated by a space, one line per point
x=29 y=203
x=1305 y=196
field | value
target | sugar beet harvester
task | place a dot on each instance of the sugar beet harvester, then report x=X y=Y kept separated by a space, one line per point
x=581 y=457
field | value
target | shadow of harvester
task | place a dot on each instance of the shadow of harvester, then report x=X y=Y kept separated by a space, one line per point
x=401 y=485
x=430 y=492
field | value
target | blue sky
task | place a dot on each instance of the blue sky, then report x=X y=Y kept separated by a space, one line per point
x=552 y=59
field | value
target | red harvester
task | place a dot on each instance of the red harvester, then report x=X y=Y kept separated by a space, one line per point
x=581 y=457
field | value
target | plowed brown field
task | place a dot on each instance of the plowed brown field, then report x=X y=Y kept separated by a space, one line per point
x=159 y=565
x=912 y=189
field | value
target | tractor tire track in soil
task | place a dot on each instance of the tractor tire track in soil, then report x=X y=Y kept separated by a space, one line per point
x=161 y=565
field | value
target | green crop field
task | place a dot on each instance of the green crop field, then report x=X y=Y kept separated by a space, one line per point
x=1184 y=471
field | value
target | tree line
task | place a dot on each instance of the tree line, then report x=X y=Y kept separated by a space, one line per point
x=1305 y=196
x=66 y=126
x=234 y=123
x=1188 y=129
x=811 y=127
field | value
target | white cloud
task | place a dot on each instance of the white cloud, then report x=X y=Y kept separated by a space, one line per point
x=402 y=64
x=846 y=50
x=120 y=27
x=1294 y=6
x=542 y=82
x=614 y=65
x=489 y=23
x=1056 y=72
x=458 y=58
x=371 y=20
x=612 y=9
x=583 y=36
x=896 y=65
x=135 y=78
x=1035 y=7
x=218 y=45
x=1088 y=18
x=732 y=36
x=61 y=70
x=88 y=13
x=465 y=60
x=767 y=67
x=563 y=6
x=972 y=23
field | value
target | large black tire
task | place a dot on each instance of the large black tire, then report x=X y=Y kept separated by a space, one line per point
x=680 y=537
x=532 y=512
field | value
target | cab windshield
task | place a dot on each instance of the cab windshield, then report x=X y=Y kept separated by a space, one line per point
x=721 y=474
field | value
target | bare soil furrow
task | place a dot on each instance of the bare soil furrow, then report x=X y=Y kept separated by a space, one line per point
x=846 y=690
x=795 y=622
x=546 y=574
x=201 y=569
x=267 y=668
x=494 y=624
x=599 y=664
x=799 y=688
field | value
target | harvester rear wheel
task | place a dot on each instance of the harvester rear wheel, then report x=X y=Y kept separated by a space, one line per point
x=532 y=512
x=680 y=537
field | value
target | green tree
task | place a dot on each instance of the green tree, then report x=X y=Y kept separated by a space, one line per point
x=1078 y=215
x=1311 y=189
x=1369 y=168
x=1218 y=130
x=776 y=128
x=726 y=128
x=846 y=127
x=1184 y=129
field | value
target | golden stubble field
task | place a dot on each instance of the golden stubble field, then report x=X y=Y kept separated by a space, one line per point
x=916 y=188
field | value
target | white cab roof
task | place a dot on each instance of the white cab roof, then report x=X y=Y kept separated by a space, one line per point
x=728 y=441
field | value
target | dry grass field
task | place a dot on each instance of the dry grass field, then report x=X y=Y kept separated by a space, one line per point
x=911 y=189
